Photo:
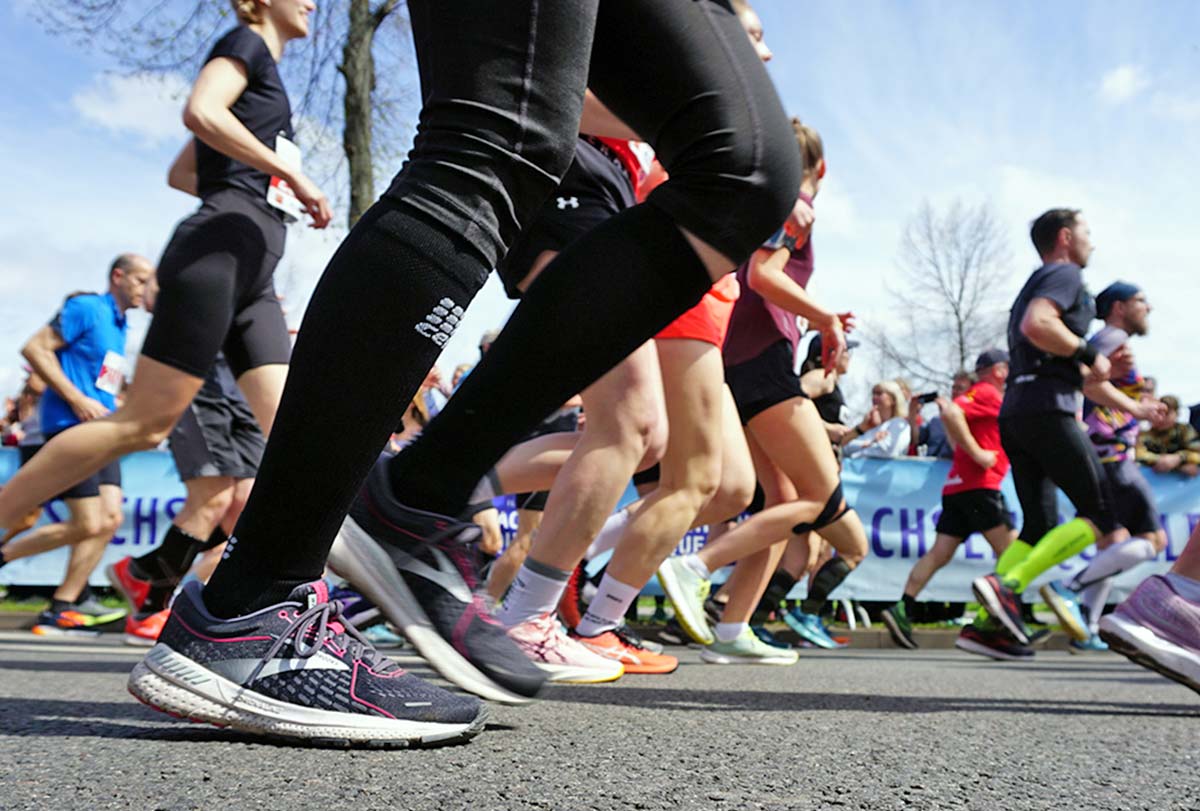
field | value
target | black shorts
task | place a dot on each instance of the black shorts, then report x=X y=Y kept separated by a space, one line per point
x=217 y=289
x=973 y=511
x=1132 y=499
x=217 y=435
x=764 y=381
x=593 y=189
x=1050 y=452
x=89 y=487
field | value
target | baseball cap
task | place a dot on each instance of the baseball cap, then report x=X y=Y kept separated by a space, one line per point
x=1117 y=291
x=990 y=357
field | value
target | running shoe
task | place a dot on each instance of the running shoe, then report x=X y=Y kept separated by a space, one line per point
x=810 y=629
x=895 y=617
x=357 y=609
x=634 y=638
x=625 y=647
x=687 y=591
x=381 y=635
x=67 y=622
x=1093 y=644
x=142 y=630
x=570 y=605
x=419 y=568
x=747 y=649
x=294 y=670
x=992 y=640
x=1158 y=628
x=132 y=587
x=99 y=614
x=768 y=638
x=562 y=659
x=1002 y=603
x=1065 y=605
x=713 y=610
x=672 y=633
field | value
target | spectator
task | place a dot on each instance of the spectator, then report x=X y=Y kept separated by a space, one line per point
x=883 y=432
x=459 y=372
x=930 y=439
x=1194 y=417
x=824 y=389
x=1169 y=444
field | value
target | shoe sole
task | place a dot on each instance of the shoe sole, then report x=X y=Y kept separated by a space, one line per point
x=987 y=596
x=971 y=646
x=686 y=615
x=1142 y=646
x=172 y=683
x=1065 y=617
x=135 y=641
x=577 y=674
x=358 y=558
x=804 y=634
x=63 y=633
x=636 y=668
x=898 y=635
x=710 y=657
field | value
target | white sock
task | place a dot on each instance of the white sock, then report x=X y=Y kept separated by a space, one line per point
x=1117 y=558
x=535 y=591
x=609 y=534
x=1186 y=587
x=729 y=631
x=696 y=565
x=608 y=607
x=1094 y=597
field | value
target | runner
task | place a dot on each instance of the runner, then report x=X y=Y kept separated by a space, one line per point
x=788 y=443
x=971 y=498
x=1051 y=365
x=81 y=356
x=1114 y=433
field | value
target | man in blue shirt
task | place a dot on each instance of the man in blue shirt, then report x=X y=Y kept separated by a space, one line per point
x=81 y=356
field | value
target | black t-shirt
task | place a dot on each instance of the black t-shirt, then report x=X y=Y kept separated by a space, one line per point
x=832 y=406
x=263 y=108
x=1038 y=382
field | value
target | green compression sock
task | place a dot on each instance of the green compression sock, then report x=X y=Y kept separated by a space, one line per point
x=1017 y=551
x=1061 y=543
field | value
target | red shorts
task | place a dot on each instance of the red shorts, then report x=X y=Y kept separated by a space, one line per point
x=708 y=320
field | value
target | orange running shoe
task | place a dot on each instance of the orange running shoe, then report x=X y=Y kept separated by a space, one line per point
x=623 y=646
x=142 y=630
x=570 y=605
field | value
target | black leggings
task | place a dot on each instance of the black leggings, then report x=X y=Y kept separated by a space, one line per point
x=1049 y=452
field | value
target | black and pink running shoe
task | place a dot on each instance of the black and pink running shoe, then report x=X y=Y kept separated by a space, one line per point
x=421 y=569
x=295 y=671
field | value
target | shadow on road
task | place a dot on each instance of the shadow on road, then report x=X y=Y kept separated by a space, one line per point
x=63 y=666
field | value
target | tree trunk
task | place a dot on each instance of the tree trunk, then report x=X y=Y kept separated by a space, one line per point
x=358 y=70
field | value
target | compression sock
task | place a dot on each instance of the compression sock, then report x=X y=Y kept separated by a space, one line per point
x=1016 y=552
x=599 y=300
x=1094 y=597
x=606 y=609
x=1118 y=558
x=383 y=311
x=215 y=538
x=777 y=591
x=1062 y=543
x=535 y=590
x=821 y=584
x=171 y=559
x=609 y=534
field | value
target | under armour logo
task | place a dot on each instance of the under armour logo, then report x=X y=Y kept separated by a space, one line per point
x=568 y=202
x=441 y=322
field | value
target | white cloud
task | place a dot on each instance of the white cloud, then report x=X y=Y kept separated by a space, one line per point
x=143 y=104
x=1177 y=107
x=1121 y=84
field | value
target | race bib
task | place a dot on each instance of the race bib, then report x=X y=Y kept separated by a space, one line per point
x=112 y=373
x=279 y=193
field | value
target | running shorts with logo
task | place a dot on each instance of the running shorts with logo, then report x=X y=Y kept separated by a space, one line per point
x=217 y=289
x=89 y=487
x=217 y=435
x=973 y=511
x=763 y=381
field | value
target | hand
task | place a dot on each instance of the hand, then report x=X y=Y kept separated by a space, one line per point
x=313 y=199
x=1121 y=360
x=1190 y=470
x=833 y=346
x=873 y=419
x=847 y=320
x=837 y=432
x=88 y=409
x=985 y=459
x=800 y=222
x=433 y=379
x=1100 y=370
x=1167 y=462
x=942 y=404
x=1151 y=410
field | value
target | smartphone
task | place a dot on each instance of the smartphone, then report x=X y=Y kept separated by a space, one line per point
x=927 y=397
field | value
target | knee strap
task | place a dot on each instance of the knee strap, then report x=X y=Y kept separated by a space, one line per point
x=832 y=511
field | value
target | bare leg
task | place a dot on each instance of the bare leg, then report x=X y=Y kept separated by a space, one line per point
x=489 y=521
x=263 y=387
x=103 y=515
x=503 y=571
x=944 y=547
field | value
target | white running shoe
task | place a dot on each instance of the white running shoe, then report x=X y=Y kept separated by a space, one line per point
x=563 y=659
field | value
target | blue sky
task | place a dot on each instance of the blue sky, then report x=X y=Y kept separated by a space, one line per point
x=1025 y=105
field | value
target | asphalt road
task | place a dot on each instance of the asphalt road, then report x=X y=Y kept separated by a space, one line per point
x=869 y=729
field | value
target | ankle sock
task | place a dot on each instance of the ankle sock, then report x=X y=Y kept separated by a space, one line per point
x=822 y=584
x=608 y=607
x=1059 y=544
x=729 y=631
x=626 y=279
x=694 y=563
x=535 y=591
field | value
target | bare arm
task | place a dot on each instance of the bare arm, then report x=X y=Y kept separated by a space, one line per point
x=599 y=120
x=182 y=174
x=208 y=115
x=959 y=432
x=1106 y=394
x=1044 y=327
x=39 y=351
